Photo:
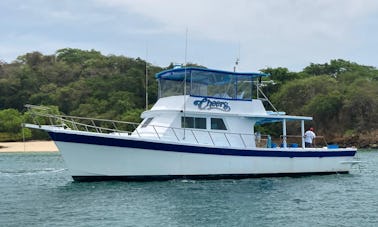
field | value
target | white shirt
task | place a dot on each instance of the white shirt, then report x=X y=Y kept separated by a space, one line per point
x=309 y=136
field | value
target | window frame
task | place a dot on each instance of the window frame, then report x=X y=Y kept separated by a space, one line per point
x=147 y=122
x=194 y=122
x=222 y=121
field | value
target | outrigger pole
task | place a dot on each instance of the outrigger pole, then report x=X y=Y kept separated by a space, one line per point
x=186 y=50
x=146 y=85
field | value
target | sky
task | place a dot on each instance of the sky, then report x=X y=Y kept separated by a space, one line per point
x=212 y=33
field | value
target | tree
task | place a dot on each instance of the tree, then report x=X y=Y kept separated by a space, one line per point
x=76 y=56
x=294 y=95
x=360 y=107
x=326 y=108
x=11 y=126
x=281 y=75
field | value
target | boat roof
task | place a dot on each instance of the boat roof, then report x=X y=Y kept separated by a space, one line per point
x=270 y=119
x=201 y=75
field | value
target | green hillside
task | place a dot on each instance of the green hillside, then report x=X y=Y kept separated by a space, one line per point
x=342 y=96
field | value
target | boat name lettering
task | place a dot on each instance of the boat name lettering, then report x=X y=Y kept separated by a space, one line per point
x=207 y=104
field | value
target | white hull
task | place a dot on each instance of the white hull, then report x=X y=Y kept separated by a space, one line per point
x=87 y=160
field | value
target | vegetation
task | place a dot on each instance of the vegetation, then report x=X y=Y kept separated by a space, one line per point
x=342 y=96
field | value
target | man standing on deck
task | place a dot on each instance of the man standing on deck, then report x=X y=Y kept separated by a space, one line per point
x=309 y=137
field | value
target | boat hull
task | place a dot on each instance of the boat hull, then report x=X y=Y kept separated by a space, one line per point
x=95 y=157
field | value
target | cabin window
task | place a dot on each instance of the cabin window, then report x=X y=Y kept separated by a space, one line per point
x=193 y=122
x=218 y=123
x=147 y=122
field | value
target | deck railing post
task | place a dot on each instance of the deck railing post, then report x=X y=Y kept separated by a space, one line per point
x=115 y=126
x=156 y=132
x=173 y=130
x=194 y=136
x=74 y=124
x=211 y=138
x=51 y=121
x=302 y=134
x=136 y=130
x=241 y=137
x=225 y=135
x=284 y=141
x=94 y=125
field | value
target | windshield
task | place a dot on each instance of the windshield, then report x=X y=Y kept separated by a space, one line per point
x=207 y=83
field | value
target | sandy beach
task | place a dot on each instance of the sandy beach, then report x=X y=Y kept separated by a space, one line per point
x=29 y=146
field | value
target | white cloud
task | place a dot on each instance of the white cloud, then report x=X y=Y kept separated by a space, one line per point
x=267 y=28
x=231 y=20
x=276 y=33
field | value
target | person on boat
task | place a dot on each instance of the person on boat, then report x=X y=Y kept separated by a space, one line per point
x=309 y=137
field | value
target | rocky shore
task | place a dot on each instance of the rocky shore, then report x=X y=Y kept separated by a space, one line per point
x=360 y=141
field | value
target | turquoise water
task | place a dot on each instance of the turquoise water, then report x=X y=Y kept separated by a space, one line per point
x=36 y=190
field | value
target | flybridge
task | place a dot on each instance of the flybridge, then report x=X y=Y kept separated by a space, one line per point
x=207 y=83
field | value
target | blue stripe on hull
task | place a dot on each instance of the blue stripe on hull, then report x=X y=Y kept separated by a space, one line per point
x=125 y=142
x=196 y=177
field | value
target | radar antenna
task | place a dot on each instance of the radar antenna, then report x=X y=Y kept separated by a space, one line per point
x=237 y=59
x=236 y=64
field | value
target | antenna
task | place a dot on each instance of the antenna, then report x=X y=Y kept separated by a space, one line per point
x=186 y=51
x=238 y=58
x=236 y=64
x=146 y=85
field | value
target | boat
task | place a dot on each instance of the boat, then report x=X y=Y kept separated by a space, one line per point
x=204 y=125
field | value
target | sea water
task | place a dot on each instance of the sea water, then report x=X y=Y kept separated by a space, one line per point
x=36 y=190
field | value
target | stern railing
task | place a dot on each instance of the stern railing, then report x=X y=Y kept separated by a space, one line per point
x=296 y=141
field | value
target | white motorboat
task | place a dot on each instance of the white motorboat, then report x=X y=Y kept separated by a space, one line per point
x=201 y=127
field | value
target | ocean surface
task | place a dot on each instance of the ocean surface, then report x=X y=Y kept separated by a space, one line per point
x=36 y=190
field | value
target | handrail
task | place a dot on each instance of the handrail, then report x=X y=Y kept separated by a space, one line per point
x=210 y=133
x=225 y=136
x=74 y=121
x=104 y=125
x=265 y=97
x=156 y=132
x=194 y=136
x=299 y=136
x=41 y=114
x=211 y=138
x=174 y=132
x=241 y=137
x=115 y=126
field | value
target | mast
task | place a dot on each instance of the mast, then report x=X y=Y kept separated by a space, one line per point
x=186 y=50
x=237 y=58
x=236 y=64
x=146 y=81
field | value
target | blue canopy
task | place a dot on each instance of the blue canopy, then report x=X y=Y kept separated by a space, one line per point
x=205 y=76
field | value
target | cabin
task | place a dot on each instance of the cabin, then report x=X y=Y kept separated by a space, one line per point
x=210 y=107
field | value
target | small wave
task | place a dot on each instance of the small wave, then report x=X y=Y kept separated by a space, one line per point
x=299 y=201
x=21 y=172
x=188 y=181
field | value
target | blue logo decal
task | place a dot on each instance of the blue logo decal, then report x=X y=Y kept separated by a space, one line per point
x=207 y=104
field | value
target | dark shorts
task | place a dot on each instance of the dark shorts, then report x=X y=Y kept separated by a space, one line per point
x=308 y=144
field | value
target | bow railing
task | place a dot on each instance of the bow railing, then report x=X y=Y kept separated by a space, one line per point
x=41 y=115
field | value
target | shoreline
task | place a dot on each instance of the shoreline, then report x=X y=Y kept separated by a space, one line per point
x=28 y=146
x=49 y=146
